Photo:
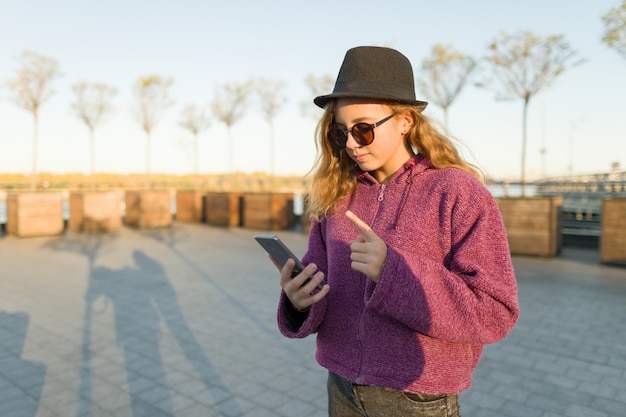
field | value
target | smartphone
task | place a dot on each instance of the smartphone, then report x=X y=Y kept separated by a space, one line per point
x=280 y=253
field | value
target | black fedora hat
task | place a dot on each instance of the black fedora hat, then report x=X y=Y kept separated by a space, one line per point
x=374 y=72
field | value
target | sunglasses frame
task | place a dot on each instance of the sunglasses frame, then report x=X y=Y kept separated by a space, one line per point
x=361 y=129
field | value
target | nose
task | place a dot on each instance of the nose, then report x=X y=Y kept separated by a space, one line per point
x=351 y=143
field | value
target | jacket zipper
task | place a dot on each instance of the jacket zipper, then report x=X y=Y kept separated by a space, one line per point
x=381 y=192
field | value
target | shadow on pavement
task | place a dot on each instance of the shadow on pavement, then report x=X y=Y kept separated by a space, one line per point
x=171 y=237
x=141 y=297
x=21 y=382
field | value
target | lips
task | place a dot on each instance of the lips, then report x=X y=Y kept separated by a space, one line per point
x=359 y=158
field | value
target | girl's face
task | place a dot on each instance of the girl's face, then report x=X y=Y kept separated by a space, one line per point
x=388 y=152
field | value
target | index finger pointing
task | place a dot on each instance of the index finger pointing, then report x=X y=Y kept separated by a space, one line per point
x=359 y=224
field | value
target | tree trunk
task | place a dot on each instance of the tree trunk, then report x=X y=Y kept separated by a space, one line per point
x=230 y=151
x=524 y=121
x=93 y=158
x=33 y=176
x=272 y=162
x=195 y=162
x=148 y=183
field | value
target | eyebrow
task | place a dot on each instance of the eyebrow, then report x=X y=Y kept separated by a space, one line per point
x=358 y=120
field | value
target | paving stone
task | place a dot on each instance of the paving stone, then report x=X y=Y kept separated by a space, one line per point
x=521 y=409
x=295 y=407
x=576 y=410
x=181 y=322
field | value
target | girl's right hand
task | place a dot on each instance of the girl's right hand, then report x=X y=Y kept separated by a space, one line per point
x=301 y=295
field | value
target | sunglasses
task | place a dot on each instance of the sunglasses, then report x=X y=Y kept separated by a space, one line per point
x=363 y=133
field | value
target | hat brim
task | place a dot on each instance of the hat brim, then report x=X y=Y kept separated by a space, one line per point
x=322 y=101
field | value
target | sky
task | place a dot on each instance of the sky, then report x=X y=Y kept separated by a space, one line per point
x=202 y=45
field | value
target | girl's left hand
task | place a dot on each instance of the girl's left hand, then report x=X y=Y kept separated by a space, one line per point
x=368 y=250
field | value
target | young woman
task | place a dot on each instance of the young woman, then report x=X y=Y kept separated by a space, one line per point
x=409 y=246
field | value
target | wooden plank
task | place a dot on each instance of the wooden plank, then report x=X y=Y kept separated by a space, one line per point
x=189 y=206
x=35 y=214
x=268 y=211
x=95 y=211
x=613 y=230
x=533 y=224
x=223 y=208
x=148 y=209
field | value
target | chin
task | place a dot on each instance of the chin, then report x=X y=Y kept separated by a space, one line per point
x=367 y=166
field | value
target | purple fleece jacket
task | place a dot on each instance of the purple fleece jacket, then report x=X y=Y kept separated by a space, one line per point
x=446 y=288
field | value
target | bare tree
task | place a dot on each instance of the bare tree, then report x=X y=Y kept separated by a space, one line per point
x=152 y=94
x=229 y=107
x=93 y=102
x=524 y=65
x=195 y=120
x=445 y=73
x=31 y=88
x=272 y=100
x=615 y=28
x=319 y=86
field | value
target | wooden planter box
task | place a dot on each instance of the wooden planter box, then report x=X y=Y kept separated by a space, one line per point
x=148 y=209
x=533 y=224
x=95 y=211
x=305 y=222
x=189 y=206
x=305 y=219
x=223 y=209
x=35 y=214
x=613 y=230
x=268 y=211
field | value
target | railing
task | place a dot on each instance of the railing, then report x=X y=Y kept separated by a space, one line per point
x=582 y=200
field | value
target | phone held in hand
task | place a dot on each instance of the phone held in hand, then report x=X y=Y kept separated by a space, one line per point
x=281 y=253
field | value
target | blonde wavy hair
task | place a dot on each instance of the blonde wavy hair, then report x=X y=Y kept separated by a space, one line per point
x=334 y=172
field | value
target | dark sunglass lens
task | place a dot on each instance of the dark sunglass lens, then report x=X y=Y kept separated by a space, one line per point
x=363 y=133
x=338 y=137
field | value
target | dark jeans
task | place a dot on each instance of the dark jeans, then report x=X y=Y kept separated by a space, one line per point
x=346 y=399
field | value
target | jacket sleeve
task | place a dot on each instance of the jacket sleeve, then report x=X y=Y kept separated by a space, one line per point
x=465 y=294
x=292 y=323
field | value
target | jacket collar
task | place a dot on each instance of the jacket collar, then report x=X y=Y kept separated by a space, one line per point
x=414 y=166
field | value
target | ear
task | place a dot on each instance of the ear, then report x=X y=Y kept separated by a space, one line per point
x=406 y=122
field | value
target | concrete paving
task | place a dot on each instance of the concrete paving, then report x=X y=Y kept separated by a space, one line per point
x=181 y=322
